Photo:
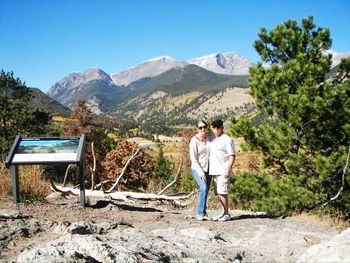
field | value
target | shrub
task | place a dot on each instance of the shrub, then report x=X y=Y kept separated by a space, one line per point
x=139 y=171
x=188 y=184
x=33 y=187
x=162 y=167
x=247 y=187
x=276 y=196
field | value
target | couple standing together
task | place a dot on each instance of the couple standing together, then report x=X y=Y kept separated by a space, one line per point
x=212 y=157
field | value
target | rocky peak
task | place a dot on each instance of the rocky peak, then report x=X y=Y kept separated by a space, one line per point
x=76 y=79
x=220 y=60
x=337 y=56
x=149 y=68
x=230 y=63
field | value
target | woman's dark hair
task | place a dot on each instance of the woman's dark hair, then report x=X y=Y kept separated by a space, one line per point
x=202 y=121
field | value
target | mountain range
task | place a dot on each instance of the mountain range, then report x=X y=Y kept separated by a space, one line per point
x=122 y=94
x=165 y=89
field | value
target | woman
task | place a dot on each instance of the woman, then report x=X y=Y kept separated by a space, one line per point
x=199 y=154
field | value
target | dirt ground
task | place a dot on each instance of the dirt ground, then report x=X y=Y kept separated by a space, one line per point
x=279 y=238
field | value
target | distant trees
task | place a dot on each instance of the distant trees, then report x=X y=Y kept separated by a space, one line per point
x=15 y=116
x=303 y=130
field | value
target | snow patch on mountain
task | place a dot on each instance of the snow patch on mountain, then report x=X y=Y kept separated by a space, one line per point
x=230 y=63
x=337 y=56
x=150 y=68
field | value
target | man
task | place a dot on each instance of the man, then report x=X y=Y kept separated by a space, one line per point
x=221 y=160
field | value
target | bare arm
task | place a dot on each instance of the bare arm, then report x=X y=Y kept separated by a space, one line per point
x=231 y=162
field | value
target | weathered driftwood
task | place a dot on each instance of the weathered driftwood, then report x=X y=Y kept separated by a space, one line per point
x=120 y=195
x=124 y=195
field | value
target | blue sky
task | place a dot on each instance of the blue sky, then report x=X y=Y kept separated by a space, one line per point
x=43 y=41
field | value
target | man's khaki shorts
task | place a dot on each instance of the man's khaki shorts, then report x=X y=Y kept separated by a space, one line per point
x=222 y=184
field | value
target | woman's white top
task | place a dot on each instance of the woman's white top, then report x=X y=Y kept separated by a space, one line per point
x=199 y=155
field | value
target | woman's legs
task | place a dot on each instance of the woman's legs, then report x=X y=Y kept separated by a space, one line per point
x=203 y=192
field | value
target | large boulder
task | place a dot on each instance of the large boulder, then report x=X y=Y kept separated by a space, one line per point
x=335 y=250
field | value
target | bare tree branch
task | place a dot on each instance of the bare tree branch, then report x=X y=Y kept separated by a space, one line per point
x=66 y=174
x=99 y=185
x=57 y=189
x=343 y=181
x=93 y=170
x=122 y=172
x=173 y=182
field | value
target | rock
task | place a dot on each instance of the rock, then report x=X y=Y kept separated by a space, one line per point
x=55 y=197
x=198 y=233
x=335 y=250
x=17 y=229
x=149 y=232
x=133 y=245
x=11 y=214
x=77 y=248
x=79 y=228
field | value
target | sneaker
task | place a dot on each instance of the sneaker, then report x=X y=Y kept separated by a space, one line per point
x=216 y=218
x=225 y=217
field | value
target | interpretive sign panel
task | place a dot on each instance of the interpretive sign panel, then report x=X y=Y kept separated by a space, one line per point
x=46 y=150
x=30 y=150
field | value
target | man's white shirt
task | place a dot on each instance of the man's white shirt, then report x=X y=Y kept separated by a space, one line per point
x=221 y=148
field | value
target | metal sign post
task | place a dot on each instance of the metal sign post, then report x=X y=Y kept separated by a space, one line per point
x=15 y=183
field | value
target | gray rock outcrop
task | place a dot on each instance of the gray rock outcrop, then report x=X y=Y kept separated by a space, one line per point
x=335 y=250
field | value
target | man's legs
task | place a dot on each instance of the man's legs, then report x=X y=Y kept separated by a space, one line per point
x=224 y=202
x=222 y=187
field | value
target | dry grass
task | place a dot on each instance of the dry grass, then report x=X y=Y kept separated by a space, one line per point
x=221 y=102
x=32 y=186
x=5 y=182
x=323 y=220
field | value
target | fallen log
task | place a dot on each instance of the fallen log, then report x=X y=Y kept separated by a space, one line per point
x=124 y=196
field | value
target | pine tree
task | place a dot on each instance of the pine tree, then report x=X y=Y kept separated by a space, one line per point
x=15 y=115
x=303 y=129
x=162 y=169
